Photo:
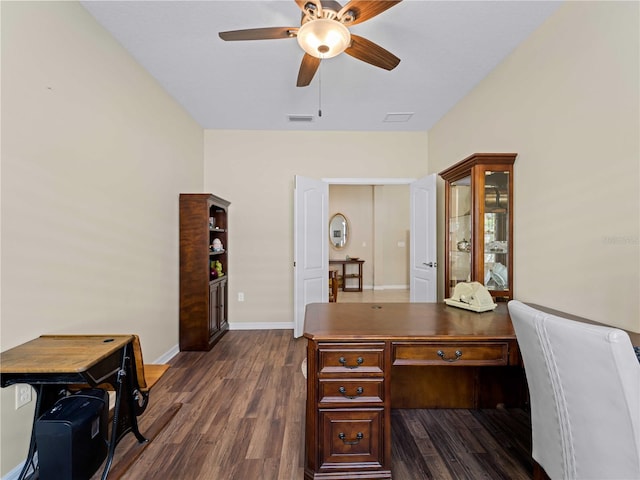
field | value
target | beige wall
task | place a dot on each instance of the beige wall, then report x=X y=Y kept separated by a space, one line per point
x=255 y=171
x=94 y=155
x=391 y=227
x=379 y=218
x=567 y=100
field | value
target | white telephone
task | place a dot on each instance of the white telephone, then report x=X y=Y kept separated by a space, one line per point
x=471 y=296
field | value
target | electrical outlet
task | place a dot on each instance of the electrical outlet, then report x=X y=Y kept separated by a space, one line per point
x=241 y=296
x=23 y=395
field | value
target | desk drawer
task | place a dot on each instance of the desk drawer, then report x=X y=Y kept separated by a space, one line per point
x=451 y=353
x=350 y=391
x=351 y=437
x=354 y=359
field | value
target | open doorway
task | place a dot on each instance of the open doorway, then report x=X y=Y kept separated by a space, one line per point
x=378 y=219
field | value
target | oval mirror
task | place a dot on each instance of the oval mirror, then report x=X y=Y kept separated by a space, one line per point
x=338 y=231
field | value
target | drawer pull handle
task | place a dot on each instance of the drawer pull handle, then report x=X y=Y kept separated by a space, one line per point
x=441 y=354
x=343 y=362
x=343 y=391
x=359 y=437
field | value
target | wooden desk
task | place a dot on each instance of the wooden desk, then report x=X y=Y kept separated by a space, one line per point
x=52 y=362
x=346 y=275
x=354 y=350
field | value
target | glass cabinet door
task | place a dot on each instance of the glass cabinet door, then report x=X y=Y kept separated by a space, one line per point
x=459 y=233
x=479 y=223
x=496 y=241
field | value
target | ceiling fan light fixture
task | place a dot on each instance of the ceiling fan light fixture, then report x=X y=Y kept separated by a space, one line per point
x=324 y=38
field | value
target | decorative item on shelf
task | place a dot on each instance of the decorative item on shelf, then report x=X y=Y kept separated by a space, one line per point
x=216 y=269
x=212 y=223
x=495 y=199
x=464 y=245
x=217 y=246
x=497 y=276
x=497 y=246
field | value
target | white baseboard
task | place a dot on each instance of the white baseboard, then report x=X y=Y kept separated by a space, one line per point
x=261 y=326
x=391 y=287
x=168 y=355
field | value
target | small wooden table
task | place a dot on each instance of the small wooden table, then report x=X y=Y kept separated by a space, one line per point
x=346 y=275
x=52 y=362
x=354 y=350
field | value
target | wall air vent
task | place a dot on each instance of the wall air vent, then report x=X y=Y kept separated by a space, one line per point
x=300 y=118
x=398 y=117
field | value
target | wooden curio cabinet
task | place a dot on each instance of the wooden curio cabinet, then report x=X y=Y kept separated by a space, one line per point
x=479 y=223
x=203 y=270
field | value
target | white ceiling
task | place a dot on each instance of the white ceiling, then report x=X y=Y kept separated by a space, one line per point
x=446 y=47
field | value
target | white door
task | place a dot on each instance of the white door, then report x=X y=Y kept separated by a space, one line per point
x=423 y=272
x=310 y=246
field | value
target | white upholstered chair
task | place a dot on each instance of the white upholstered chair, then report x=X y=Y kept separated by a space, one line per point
x=584 y=386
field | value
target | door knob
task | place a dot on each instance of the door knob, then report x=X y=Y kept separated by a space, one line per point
x=430 y=264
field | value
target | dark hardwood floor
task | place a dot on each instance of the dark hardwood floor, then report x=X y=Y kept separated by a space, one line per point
x=242 y=418
x=461 y=444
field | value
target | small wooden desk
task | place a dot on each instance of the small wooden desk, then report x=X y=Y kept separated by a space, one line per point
x=51 y=362
x=354 y=350
x=345 y=275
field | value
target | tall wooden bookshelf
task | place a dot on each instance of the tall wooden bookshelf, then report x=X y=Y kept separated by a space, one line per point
x=203 y=270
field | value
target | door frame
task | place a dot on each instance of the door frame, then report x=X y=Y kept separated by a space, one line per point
x=369 y=181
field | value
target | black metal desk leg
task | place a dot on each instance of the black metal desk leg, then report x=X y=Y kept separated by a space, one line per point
x=123 y=387
x=28 y=463
x=46 y=396
x=114 y=425
x=131 y=407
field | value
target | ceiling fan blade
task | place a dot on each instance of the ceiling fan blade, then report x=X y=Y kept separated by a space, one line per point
x=308 y=69
x=369 y=52
x=267 y=33
x=363 y=10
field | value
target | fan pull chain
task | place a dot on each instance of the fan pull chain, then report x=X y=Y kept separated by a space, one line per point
x=320 y=88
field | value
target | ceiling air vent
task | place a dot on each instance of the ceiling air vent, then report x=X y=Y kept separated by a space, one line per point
x=300 y=118
x=398 y=117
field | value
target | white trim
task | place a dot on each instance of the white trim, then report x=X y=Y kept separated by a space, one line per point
x=383 y=287
x=368 y=181
x=261 y=326
x=391 y=287
x=168 y=355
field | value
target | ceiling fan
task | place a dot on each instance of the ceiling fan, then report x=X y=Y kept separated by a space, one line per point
x=323 y=33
